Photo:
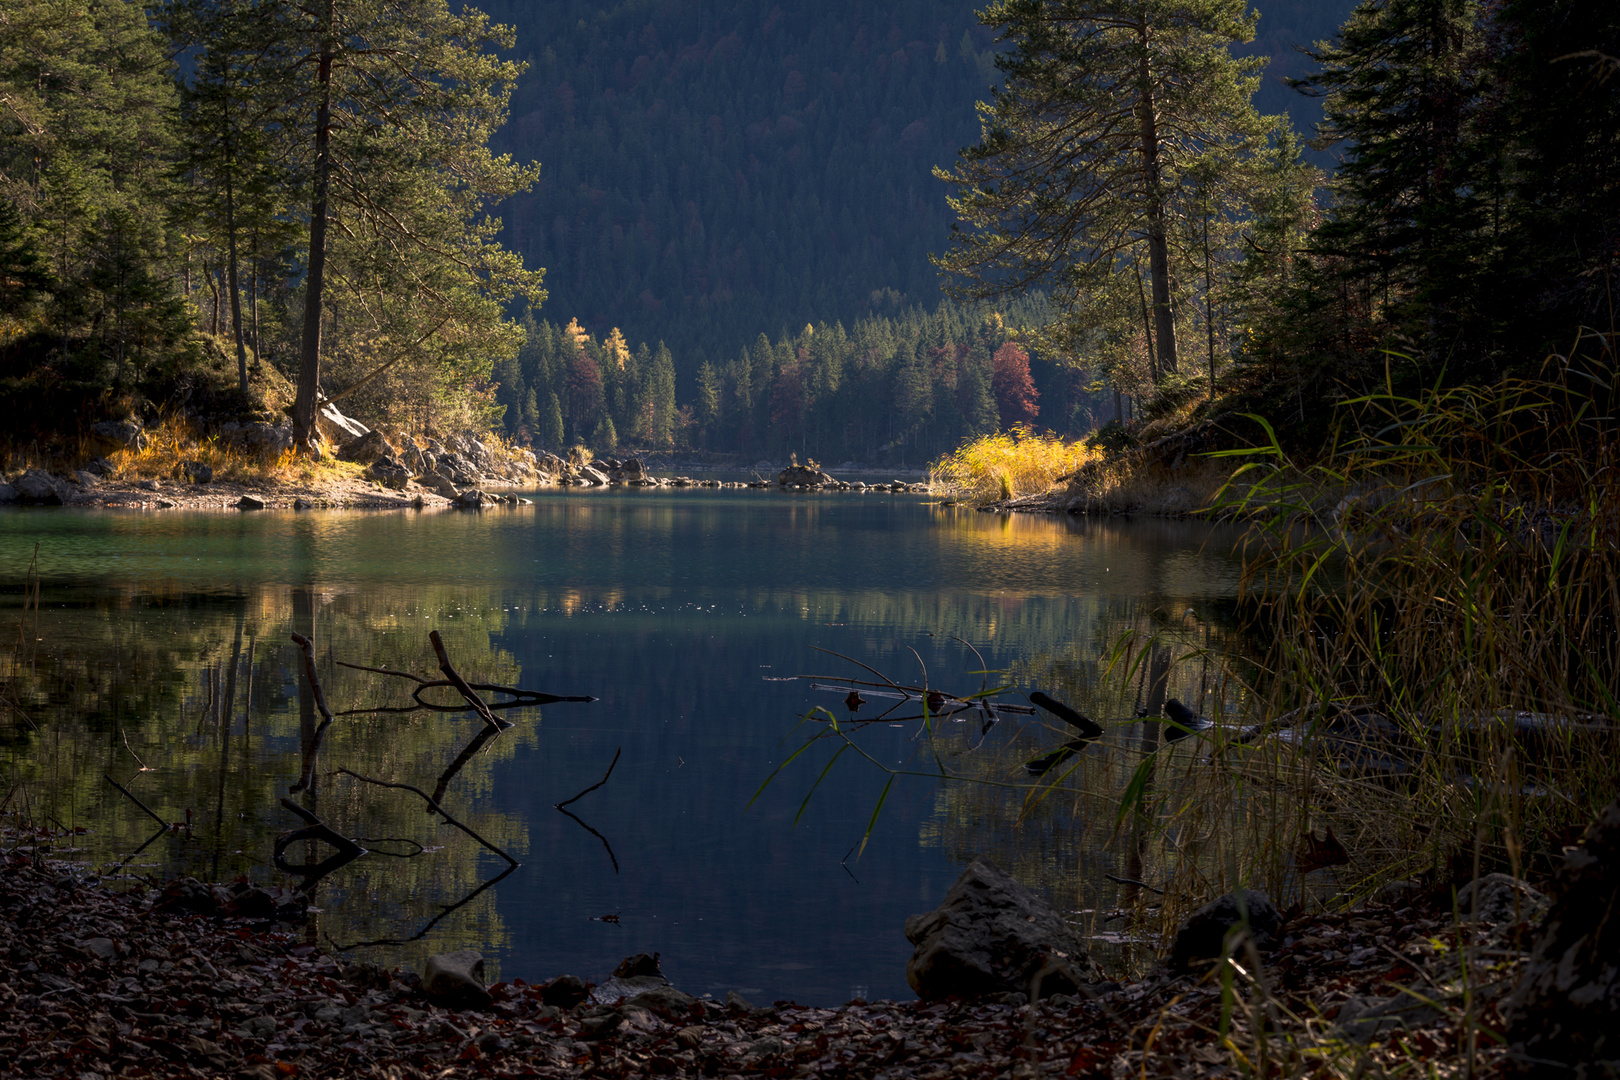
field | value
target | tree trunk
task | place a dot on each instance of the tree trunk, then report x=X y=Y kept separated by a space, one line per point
x=236 y=293
x=1158 y=239
x=309 y=368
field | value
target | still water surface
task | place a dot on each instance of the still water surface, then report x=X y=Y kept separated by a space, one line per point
x=159 y=655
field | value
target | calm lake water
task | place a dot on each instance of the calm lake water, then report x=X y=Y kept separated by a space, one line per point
x=159 y=656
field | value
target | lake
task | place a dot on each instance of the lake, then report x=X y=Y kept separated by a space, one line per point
x=159 y=656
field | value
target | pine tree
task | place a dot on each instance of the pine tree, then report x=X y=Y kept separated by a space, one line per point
x=400 y=103
x=1080 y=173
x=1399 y=85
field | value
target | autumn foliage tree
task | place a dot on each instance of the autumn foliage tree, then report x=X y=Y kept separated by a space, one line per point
x=1012 y=386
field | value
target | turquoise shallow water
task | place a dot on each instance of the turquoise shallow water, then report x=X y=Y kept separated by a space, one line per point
x=159 y=655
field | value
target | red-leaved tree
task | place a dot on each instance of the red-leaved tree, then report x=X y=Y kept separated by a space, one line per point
x=1014 y=389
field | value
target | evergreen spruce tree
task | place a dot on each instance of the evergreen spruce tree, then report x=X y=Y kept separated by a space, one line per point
x=1081 y=173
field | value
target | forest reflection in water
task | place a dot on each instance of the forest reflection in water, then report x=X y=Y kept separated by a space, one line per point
x=165 y=662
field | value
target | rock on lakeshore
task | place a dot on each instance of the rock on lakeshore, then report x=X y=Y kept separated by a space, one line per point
x=1561 y=1015
x=991 y=935
x=456 y=980
x=1203 y=935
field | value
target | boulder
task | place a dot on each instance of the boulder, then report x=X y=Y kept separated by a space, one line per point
x=1214 y=930
x=8 y=494
x=37 y=486
x=414 y=460
x=456 y=980
x=630 y=471
x=438 y=484
x=100 y=467
x=260 y=436
x=1500 y=898
x=802 y=474
x=335 y=428
x=1561 y=1015
x=366 y=449
x=564 y=992
x=196 y=472
x=120 y=434
x=86 y=479
x=991 y=935
x=250 y=502
x=592 y=475
x=473 y=499
x=461 y=472
x=388 y=472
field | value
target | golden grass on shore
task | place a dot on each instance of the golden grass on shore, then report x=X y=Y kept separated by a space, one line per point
x=174 y=441
x=1008 y=464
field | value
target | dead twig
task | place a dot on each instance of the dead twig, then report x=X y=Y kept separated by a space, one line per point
x=131 y=797
x=433 y=807
x=461 y=685
x=313 y=749
x=596 y=785
x=520 y=697
x=314 y=829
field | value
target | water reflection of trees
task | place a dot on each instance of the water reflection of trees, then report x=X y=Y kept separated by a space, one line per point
x=204 y=690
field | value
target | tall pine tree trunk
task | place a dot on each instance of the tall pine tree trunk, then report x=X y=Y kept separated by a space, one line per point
x=230 y=233
x=309 y=368
x=1158 y=240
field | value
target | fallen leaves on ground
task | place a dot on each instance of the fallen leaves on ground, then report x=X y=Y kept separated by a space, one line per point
x=95 y=984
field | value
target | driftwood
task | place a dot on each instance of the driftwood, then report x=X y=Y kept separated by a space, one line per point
x=461 y=684
x=518 y=697
x=433 y=807
x=563 y=807
x=131 y=797
x=312 y=751
x=596 y=785
x=314 y=829
x=444 y=910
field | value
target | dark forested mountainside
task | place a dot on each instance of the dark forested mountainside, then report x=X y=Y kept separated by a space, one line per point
x=717 y=169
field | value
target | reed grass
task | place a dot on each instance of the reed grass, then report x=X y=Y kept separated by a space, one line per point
x=1008 y=464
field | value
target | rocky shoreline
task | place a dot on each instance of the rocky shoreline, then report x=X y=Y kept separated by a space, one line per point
x=196 y=981
x=397 y=471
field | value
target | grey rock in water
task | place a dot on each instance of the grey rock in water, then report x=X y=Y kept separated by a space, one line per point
x=1561 y=1015
x=456 y=980
x=991 y=935
x=1208 y=933
x=302 y=503
x=802 y=474
x=592 y=475
x=472 y=499
x=250 y=502
x=1500 y=898
x=37 y=486
x=8 y=494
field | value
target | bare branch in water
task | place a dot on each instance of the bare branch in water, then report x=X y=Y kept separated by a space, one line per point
x=312 y=751
x=596 y=785
x=433 y=807
x=461 y=684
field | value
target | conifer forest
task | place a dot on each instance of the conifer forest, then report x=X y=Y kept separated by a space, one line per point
x=851 y=231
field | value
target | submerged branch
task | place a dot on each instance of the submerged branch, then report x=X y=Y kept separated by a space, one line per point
x=433 y=807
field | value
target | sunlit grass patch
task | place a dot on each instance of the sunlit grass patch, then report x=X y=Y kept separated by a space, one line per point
x=1009 y=464
x=175 y=441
